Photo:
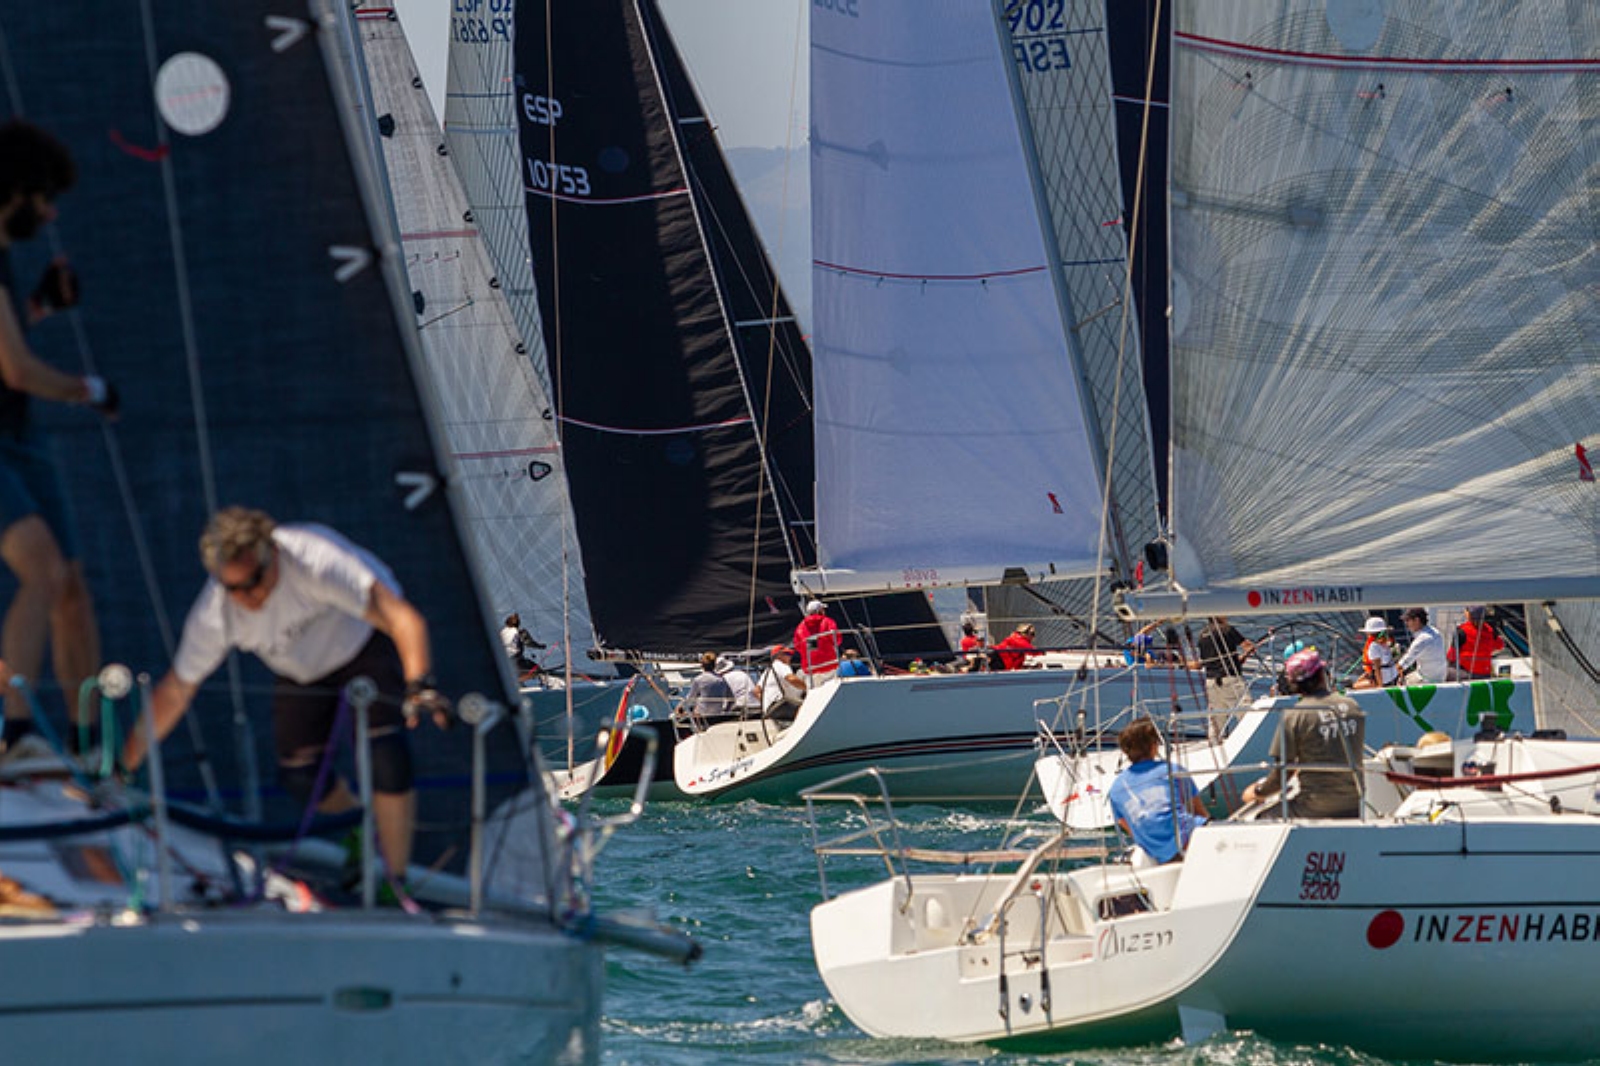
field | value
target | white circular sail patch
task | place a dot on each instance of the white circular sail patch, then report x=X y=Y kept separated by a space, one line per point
x=192 y=93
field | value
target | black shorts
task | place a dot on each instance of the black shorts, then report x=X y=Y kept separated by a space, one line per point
x=303 y=715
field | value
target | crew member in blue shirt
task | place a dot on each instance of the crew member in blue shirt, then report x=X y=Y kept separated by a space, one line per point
x=1151 y=804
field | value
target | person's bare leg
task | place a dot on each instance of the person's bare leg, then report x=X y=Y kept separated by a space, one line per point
x=337 y=799
x=396 y=815
x=74 y=635
x=30 y=550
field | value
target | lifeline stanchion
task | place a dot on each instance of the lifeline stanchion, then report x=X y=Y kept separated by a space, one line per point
x=361 y=693
x=158 y=794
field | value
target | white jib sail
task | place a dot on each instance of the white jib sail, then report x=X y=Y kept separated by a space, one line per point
x=1385 y=321
x=496 y=414
x=950 y=433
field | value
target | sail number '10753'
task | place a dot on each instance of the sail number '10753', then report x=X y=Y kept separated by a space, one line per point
x=557 y=178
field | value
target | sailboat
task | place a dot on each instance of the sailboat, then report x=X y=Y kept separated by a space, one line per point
x=1360 y=194
x=975 y=391
x=251 y=304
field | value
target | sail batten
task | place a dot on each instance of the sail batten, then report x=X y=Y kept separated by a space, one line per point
x=1386 y=337
x=951 y=435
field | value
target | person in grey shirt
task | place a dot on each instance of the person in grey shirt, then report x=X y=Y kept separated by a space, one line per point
x=1320 y=744
x=710 y=698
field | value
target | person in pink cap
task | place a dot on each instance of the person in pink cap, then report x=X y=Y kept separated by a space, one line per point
x=1318 y=750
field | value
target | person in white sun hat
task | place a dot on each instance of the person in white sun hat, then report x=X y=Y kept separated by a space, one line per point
x=1378 y=668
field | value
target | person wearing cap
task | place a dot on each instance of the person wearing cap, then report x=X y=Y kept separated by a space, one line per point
x=816 y=643
x=1474 y=648
x=1012 y=652
x=1426 y=655
x=1377 y=658
x=1156 y=808
x=782 y=690
x=710 y=698
x=1319 y=747
x=745 y=695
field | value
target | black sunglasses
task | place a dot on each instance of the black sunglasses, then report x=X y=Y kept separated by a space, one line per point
x=249 y=584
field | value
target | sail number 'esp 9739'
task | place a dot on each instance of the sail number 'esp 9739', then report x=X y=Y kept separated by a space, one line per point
x=469 y=25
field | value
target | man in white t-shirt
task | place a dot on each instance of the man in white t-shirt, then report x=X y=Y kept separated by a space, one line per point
x=745 y=695
x=319 y=611
x=782 y=690
x=1427 y=652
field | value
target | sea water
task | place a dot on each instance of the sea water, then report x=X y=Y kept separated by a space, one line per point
x=742 y=879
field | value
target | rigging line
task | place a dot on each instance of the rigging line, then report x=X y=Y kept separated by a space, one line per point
x=557 y=375
x=772 y=331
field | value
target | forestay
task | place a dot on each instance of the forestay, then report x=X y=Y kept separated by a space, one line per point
x=951 y=439
x=496 y=419
x=1386 y=332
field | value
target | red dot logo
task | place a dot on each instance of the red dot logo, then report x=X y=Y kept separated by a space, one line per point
x=1385 y=930
x=1254 y=598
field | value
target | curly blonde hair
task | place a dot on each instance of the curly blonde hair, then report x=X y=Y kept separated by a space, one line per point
x=234 y=533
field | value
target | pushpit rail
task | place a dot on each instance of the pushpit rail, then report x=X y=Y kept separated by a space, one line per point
x=878 y=835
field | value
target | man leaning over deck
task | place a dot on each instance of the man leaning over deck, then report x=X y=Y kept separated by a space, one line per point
x=319 y=611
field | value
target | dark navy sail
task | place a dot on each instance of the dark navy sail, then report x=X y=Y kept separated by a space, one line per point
x=1138 y=39
x=674 y=508
x=241 y=291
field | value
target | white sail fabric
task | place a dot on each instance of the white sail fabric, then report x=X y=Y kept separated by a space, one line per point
x=951 y=440
x=1385 y=326
x=1063 y=62
x=480 y=128
x=1567 y=684
x=495 y=414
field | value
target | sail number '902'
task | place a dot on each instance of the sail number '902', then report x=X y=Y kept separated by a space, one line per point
x=558 y=178
x=1037 y=41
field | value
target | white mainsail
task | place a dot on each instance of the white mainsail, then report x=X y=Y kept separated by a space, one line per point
x=496 y=413
x=1385 y=326
x=951 y=440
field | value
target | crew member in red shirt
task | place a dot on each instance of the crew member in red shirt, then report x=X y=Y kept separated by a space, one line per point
x=1013 y=649
x=1472 y=654
x=816 y=641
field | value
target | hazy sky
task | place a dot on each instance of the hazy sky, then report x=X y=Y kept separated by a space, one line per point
x=741 y=53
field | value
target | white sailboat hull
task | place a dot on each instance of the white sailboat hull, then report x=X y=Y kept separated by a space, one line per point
x=1075 y=785
x=939 y=737
x=264 y=987
x=1312 y=930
